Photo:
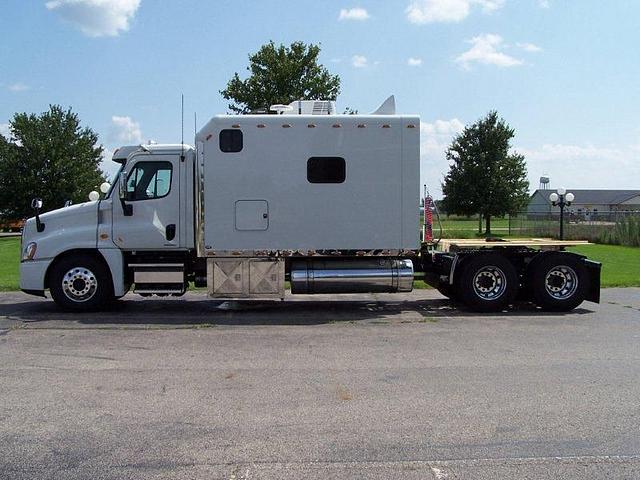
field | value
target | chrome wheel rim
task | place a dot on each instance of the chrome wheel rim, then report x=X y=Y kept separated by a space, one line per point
x=561 y=282
x=489 y=283
x=79 y=284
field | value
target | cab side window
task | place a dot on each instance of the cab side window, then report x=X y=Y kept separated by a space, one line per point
x=149 y=180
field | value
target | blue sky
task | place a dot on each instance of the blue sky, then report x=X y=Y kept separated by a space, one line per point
x=564 y=73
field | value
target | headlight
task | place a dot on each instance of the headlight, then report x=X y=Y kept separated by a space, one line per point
x=29 y=251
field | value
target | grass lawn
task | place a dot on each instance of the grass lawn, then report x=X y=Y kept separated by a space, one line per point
x=9 y=262
x=460 y=224
x=620 y=265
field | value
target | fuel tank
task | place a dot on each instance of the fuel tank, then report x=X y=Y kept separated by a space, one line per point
x=351 y=275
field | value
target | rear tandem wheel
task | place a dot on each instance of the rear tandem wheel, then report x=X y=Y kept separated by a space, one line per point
x=488 y=282
x=447 y=290
x=559 y=281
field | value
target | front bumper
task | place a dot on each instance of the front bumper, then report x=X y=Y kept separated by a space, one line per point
x=32 y=275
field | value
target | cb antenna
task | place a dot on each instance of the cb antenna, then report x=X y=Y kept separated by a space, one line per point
x=182 y=128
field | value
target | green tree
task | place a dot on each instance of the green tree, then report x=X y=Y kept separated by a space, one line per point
x=281 y=74
x=48 y=156
x=485 y=176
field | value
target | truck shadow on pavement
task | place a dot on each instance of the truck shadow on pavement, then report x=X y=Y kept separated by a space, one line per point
x=207 y=312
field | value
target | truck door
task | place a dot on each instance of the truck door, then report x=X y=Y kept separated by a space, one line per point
x=153 y=192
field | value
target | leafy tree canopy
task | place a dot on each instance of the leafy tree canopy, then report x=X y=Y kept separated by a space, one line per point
x=48 y=156
x=281 y=74
x=485 y=177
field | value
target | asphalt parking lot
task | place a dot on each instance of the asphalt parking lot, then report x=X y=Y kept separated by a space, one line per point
x=357 y=386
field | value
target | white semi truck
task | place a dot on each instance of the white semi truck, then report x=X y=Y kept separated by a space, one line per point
x=327 y=202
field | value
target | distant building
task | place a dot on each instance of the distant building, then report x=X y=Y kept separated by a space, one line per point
x=587 y=203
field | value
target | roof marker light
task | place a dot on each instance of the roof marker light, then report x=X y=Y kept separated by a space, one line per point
x=311 y=125
x=336 y=125
x=235 y=125
x=386 y=125
x=362 y=125
x=286 y=125
x=261 y=125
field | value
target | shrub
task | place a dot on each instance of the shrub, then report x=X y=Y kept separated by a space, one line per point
x=625 y=232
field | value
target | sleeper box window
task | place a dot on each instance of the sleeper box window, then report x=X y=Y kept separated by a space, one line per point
x=230 y=141
x=326 y=170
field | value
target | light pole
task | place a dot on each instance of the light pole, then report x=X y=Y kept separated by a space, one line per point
x=561 y=199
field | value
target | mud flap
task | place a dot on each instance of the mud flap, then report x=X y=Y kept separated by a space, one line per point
x=593 y=268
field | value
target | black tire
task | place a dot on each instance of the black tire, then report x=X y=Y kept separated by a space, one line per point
x=447 y=290
x=80 y=283
x=487 y=282
x=559 y=282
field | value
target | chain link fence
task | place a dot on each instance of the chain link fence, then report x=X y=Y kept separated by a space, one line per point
x=615 y=227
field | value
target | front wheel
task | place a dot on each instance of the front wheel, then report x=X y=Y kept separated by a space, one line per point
x=80 y=283
x=559 y=282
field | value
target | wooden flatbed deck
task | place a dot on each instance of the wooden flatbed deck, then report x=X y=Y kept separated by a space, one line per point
x=452 y=244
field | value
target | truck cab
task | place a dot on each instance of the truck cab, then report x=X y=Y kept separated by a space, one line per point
x=141 y=231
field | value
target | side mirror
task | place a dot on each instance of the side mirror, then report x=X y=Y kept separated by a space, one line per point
x=127 y=210
x=36 y=204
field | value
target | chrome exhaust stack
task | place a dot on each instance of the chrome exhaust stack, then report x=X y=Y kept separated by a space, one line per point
x=351 y=276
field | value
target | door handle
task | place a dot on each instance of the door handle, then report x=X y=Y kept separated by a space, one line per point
x=170 y=231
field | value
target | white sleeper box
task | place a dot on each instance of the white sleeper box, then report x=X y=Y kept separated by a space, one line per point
x=261 y=197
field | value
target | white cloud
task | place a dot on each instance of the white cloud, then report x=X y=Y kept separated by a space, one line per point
x=583 y=166
x=414 y=62
x=486 y=49
x=572 y=152
x=97 y=18
x=435 y=138
x=107 y=154
x=4 y=130
x=431 y=11
x=440 y=128
x=353 y=14
x=359 y=61
x=125 y=130
x=18 y=87
x=490 y=5
x=529 y=47
x=544 y=3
